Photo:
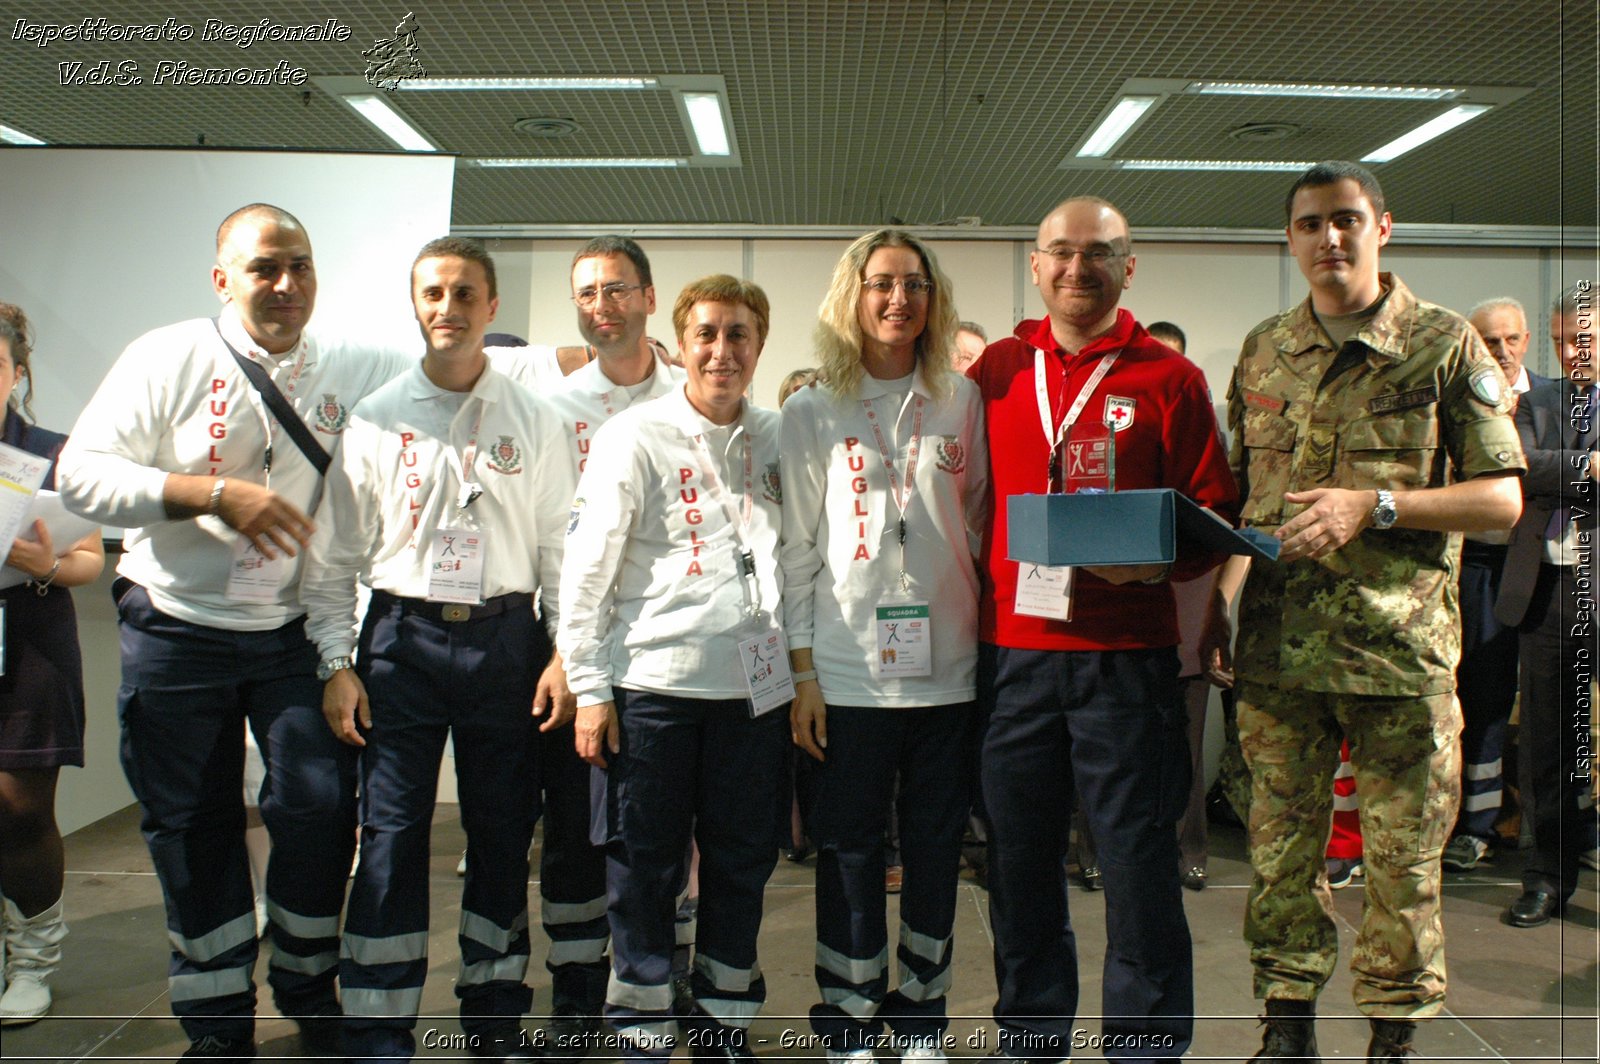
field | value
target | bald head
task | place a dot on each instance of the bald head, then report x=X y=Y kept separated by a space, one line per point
x=256 y=214
x=1087 y=207
x=1503 y=324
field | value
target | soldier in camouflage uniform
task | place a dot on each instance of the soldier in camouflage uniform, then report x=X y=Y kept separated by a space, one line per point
x=1369 y=428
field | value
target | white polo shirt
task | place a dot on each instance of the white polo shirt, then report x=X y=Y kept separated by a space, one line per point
x=841 y=552
x=177 y=402
x=393 y=485
x=652 y=591
x=588 y=399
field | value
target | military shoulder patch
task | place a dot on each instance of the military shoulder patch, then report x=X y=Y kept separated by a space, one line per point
x=1487 y=384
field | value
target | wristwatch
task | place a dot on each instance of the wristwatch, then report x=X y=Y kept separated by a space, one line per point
x=1383 y=514
x=329 y=666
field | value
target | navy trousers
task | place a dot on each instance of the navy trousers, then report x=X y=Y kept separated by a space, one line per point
x=474 y=681
x=1112 y=723
x=867 y=747
x=572 y=881
x=702 y=767
x=187 y=693
x=1486 y=684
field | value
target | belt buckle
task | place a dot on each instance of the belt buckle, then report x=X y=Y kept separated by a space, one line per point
x=456 y=612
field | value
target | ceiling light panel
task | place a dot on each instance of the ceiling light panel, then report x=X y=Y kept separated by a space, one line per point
x=1345 y=92
x=17 y=136
x=525 y=84
x=391 y=123
x=1429 y=130
x=1123 y=116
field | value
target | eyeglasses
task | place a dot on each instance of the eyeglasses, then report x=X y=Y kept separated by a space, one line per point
x=615 y=293
x=912 y=286
x=1095 y=256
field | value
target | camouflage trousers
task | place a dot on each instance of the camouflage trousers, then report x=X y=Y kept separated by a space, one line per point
x=1407 y=761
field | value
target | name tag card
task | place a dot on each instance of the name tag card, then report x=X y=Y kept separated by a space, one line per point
x=252 y=576
x=1044 y=591
x=455 y=565
x=904 y=640
x=765 y=659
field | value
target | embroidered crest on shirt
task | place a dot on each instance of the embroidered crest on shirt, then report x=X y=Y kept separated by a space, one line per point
x=332 y=415
x=950 y=455
x=1119 y=412
x=771 y=484
x=505 y=456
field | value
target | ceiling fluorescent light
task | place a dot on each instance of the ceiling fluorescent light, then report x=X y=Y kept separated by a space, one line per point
x=17 y=136
x=556 y=163
x=522 y=84
x=375 y=110
x=1348 y=92
x=705 y=117
x=1122 y=118
x=1272 y=165
x=1437 y=127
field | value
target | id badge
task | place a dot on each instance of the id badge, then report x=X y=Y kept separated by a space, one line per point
x=765 y=659
x=904 y=640
x=455 y=565
x=252 y=576
x=1044 y=591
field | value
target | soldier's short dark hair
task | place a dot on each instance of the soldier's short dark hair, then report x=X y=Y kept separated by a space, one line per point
x=1331 y=172
x=459 y=247
x=616 y=244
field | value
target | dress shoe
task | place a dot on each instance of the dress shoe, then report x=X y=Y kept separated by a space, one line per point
x=569 y=1036
x=1291 y=1035
x=1092 y=879
x=1391 y=1041
x=1533 y=908
x=720 y=1045
x=1195 y=878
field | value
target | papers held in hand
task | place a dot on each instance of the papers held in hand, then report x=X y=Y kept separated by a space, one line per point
x=1139 y=527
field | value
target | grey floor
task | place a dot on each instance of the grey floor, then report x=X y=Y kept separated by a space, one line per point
x=1515 y=995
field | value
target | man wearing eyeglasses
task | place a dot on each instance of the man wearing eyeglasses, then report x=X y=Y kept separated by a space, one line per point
x=614 y=296
x=1081 y=684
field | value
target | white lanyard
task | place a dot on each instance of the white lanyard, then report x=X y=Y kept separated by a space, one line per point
x=900 y=492
x=1054 y=434
x=271 y=423
x=737 y=520
x=461 y=463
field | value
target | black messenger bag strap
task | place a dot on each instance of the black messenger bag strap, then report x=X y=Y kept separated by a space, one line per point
x=279 y=405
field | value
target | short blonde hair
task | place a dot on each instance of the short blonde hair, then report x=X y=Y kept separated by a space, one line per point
x=839 y=338
x=722 y=288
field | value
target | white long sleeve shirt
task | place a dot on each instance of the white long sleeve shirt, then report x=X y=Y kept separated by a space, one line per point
x=393 y=485
x=588 y=399
x=176 y=402
x=653 y=596
x=841 y=551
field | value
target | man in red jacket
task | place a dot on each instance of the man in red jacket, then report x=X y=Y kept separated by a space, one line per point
x=1090 y=697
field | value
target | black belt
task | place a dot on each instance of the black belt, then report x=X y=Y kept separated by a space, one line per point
x=453 y=612
x=1492 y=552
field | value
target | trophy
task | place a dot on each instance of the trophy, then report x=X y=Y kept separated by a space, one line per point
x=1089 y=459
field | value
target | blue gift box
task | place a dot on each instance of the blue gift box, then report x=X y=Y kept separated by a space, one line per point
x=1138 y=527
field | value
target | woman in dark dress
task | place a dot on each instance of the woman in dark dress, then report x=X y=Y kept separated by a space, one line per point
x=41 y=706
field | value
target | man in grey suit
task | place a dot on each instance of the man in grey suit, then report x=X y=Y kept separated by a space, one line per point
x=1547 y=593
x=1486 y=679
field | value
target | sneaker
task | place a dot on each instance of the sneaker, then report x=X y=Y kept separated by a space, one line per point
x=1341 y=870
x=1465 y=852
x=215 y=1047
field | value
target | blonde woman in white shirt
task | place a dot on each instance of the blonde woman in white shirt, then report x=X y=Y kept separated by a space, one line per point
x=677 y=665
x=885 y=472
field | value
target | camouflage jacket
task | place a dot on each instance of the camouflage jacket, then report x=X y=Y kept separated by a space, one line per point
x=1426 y=406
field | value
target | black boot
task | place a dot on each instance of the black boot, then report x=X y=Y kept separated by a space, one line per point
x=1391 y=1040
x=1291 y=1032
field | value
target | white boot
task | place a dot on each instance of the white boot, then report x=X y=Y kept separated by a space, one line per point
x=33 y=949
